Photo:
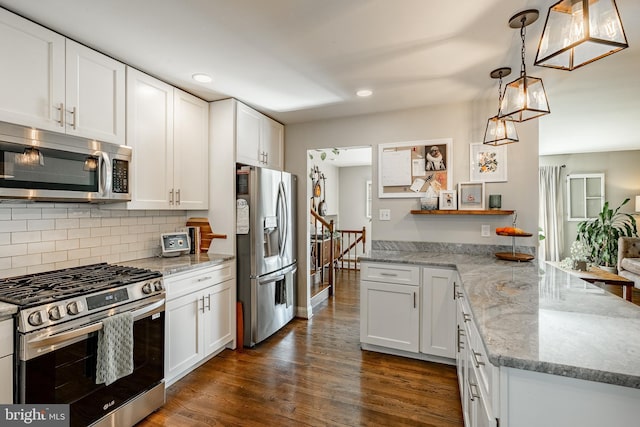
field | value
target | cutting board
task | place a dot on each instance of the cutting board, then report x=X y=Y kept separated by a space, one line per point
x=206 y=234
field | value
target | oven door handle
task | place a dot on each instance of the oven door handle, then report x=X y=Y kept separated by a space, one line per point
x=141 y=313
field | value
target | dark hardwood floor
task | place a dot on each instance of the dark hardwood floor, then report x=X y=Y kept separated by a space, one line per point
x=312 y=372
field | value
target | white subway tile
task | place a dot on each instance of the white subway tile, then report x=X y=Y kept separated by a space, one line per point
x=100 y=251
x=111 y=258
x=5 y=213
x=97 y=213
x=119 y=248
x=11 y=226
x=48 y=235
x=79 y=253
x=54 y=213
x=151 y=228
x=13 y=272
x=159 y=220
x=5 y=263
x=24 y=213
x=145 y=220
x=79 y=213
x=136 y=213
x=91 y=242
x=129 y=238
x=13 y=250
x=79 y=233
x=90 y=222
x=90 y=260
x=138 y=246
x=100 y=232
x=110 y=222
x=120 y=231
x=41 y=247
x=62 y=224
x=129 y=221
x=5 y=238
x=40 y=224
x=110 y=240
x=26 y=260
x=55 y=257
x=65 y=245
x=26 y=237
x=67 y=264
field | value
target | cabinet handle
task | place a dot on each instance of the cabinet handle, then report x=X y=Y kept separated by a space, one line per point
x=266 y=158
x=414 y=300
x=466 y=317
x=171 y=197
x=177 y=196
x=208 y=301
x=460 y=334
x=74 y=113
x=388 y=274
x=459 y=295
x=61 y=114
x=474 y=356
x=202 y=303
x=473 y=396
x=202 y=279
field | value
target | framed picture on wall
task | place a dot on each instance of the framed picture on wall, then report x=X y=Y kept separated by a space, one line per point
x=471 y=196
x=448 y=201
x=487 y=163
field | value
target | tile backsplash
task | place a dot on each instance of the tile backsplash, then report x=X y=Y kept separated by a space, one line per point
x=37 y=237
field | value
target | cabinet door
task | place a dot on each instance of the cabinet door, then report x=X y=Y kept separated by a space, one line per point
x=219 y=321
x=32 y=74
x=183 y=334
x=150 y=134
x=95 y=94
x=191 y=151
x=438 y=332
x=6 y=377
x=271 y=143
x=248 y=123
x=389 y=315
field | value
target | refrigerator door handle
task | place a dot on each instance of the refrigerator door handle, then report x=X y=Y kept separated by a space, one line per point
x=282 y=217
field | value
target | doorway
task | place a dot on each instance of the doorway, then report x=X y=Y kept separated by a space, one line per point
x=338 y=221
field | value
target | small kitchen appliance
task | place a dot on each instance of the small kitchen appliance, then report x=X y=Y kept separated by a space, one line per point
x=175 y=244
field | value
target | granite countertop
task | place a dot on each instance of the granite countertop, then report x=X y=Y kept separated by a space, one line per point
x=179 y=264
x=7 y=310
x=540 y=318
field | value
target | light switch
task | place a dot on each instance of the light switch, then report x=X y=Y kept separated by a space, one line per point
x=485 y=232
x=385 y=214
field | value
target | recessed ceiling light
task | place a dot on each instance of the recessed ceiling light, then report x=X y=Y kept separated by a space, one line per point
x=202 y=78
x=363 y=93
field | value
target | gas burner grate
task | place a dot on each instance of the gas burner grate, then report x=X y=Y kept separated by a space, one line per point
x=47 y=287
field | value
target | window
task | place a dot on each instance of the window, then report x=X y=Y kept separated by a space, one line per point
x=585 y=196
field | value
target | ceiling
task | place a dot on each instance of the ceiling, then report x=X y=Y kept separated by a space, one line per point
x=303 y=60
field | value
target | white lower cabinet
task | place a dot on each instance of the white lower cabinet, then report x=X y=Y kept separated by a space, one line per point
x=200 y=318
x=6 y=361
x=408 y=308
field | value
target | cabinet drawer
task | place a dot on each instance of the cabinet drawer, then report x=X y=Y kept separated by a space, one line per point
x=480 y=359
x=6 y=337
x=391 y=273
x=191 y=281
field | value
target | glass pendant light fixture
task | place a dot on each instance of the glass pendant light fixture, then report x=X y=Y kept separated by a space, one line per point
x=578 y=32
x=500 y=131
x=524 y=98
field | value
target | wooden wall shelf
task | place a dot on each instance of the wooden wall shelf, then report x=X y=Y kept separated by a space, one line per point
x=463 y=212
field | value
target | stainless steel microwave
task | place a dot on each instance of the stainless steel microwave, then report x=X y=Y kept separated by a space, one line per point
x=48 y=166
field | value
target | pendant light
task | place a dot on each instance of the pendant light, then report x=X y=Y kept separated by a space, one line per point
x=578 y=32
x=524 y=98
x=500 y=131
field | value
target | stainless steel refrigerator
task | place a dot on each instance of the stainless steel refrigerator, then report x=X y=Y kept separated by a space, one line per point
x=266 y=250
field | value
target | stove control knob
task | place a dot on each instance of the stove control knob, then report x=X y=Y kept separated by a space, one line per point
x=56 y=312
x=157 y=285
x=147 y=288
x=74 y=307
x=35 y=318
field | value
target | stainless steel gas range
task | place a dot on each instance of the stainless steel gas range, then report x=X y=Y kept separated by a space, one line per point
x=60 y=315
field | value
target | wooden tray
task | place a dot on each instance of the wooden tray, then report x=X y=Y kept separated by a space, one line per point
x=514 y=234
x=509 y=256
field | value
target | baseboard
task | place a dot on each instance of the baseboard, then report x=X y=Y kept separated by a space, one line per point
x=304 y=312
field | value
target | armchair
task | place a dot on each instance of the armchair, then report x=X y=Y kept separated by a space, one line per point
x=629 y=259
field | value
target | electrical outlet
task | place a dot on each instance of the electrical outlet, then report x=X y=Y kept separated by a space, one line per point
x=385 y=214
x=485 y=231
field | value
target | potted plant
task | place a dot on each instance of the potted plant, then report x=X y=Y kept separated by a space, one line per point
x=601 y=234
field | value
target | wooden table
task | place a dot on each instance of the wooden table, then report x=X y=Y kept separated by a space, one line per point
x=597 y=275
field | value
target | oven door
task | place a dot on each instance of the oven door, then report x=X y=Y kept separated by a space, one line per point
x=66 y=373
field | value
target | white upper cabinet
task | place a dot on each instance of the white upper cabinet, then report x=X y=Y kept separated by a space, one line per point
x=32 y=74
x=191 y=151
x=95 y=95
x=168 y=131
x=56 y=84
x=259 y=139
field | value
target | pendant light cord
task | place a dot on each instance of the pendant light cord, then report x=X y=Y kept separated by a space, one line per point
x=500 y=96
x=523 y=67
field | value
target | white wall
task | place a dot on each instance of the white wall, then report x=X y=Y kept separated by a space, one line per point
x=622 y=179
x=353 y=200
x=465 y=123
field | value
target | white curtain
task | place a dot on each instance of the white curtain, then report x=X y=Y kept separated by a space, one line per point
x=551 y=214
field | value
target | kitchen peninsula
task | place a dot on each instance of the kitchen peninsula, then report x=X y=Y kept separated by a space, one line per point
x=557 y=350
